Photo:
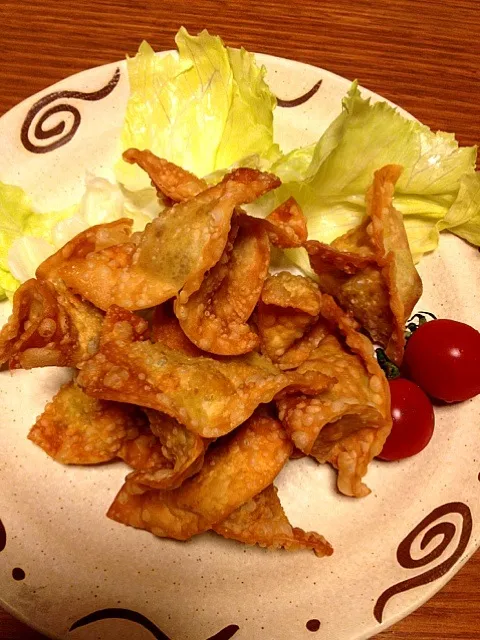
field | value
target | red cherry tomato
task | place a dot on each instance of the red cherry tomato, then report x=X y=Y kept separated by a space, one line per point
x=443 y=358
x=413 y=421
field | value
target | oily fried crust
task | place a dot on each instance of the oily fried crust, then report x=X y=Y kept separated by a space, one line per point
x=95 y=238
x=389 y=236
x=288 y=308
x=183 y=449
x=262 y=520
x=370 y=270
x=77 y=429
x=169 y=179
x=286 y=225
x=325 y=258
x=49 y=326
x=347 y=424
x=215 y=317
x=236 y=469
x=154 y=376
x=166 y=329
x=109 y=277
x=289 y=291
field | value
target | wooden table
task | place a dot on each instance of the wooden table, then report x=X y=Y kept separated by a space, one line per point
x=418 y=53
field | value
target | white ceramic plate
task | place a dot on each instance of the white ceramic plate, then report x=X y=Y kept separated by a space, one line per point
x=72 y=573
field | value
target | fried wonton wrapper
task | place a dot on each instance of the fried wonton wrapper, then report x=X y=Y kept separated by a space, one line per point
x=167 y=330
x=49 y=326
x=288 y=307
x=174 y=252
x=96 y=238
x=370 y=270
x=236 y=469
x=286 y=225
x=77 y=429
x=169 y=179
x=182 y=448
x=347 y=424
x=210 y=397
x=262 y=521
x=215 y=317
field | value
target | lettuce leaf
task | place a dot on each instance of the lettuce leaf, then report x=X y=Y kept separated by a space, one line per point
x=204 y=108
x=28 y=237
x=18 y=219
x=438 y=179
x=463 y=217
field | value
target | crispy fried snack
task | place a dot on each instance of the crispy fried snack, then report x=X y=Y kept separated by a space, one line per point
x=347 y=424
x=210 y=397
x=169 y=179
x=166 y=330
x=49 y=326
x=236 y=469
x=174 y=252
x=370 y=270
x=288 y=307
x=215 y=317
x=262 y=521
x=182 y=448
x=77 y=429
x=286 y=225
x=96 y=238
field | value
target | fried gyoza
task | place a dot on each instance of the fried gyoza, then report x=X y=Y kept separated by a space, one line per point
x=347 y=424
x=262 y=521
x=210 y=397
x=370 y=270
x=49 y=326
x=169 y=179
x=288 y=307
x=236 y=469
x=215 y=317
x=182 y=448
x=174 y=252
x=77 y=429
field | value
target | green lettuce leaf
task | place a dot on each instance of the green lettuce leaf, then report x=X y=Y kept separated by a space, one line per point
x=18 y=219
x=28 y=237
x=204 y=108
x=463 y=217
x=438 y=179
x=8 y=284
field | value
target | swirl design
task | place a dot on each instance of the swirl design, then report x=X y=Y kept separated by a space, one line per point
x=134 y=616
x=3 y=537
x=446 y=532
x=43 y=132
x=124 y=614
x=301 y=99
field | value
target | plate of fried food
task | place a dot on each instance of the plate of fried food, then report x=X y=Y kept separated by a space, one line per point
x=239 y=378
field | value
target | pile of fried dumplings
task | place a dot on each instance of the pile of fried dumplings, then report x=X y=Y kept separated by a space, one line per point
x=203 y=370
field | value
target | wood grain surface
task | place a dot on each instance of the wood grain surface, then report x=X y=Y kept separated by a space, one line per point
x=422 y=54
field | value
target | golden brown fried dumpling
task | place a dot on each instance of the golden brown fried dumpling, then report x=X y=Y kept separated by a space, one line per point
x=77 y=429
x=236 y=469
x=49 y=326
x=262 y=521
x=209 y=396
x=169 y=179
x=182 y=448
x=348 y=423
x=370 y=270
x=215 y=317
x=174 y=252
